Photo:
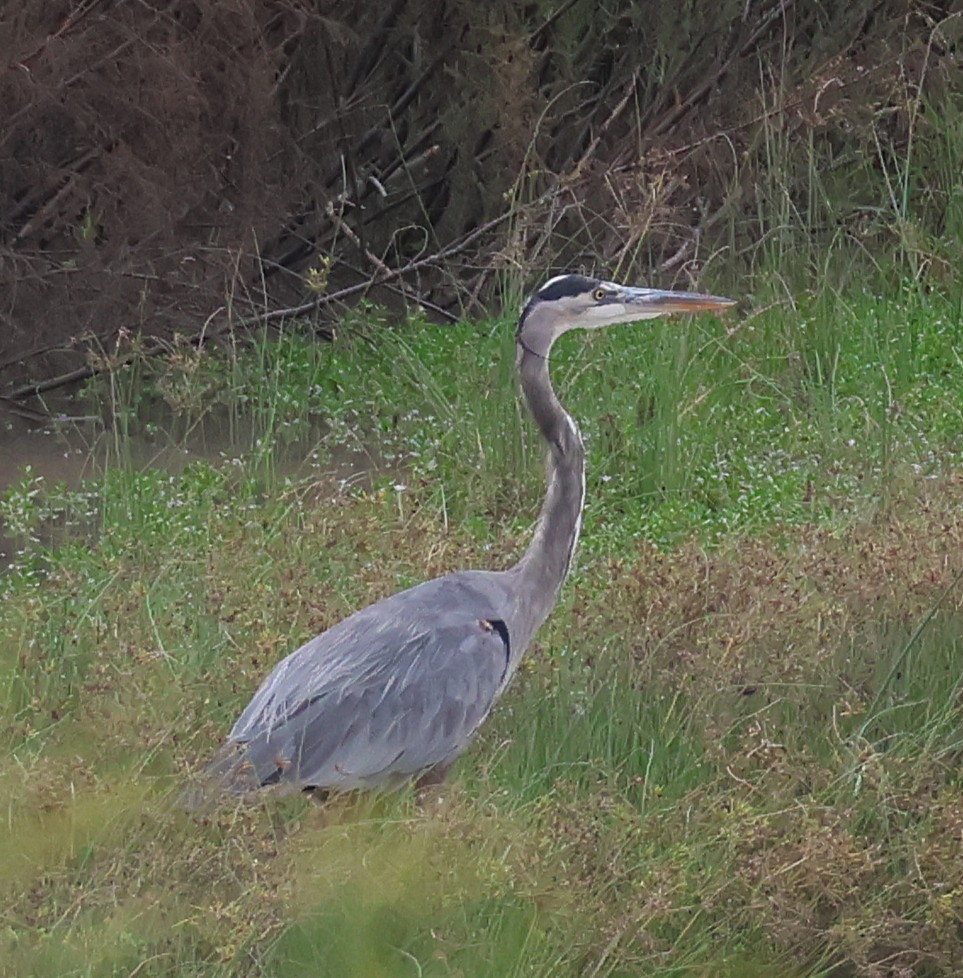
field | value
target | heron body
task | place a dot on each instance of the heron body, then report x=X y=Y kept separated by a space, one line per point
x=396 y=691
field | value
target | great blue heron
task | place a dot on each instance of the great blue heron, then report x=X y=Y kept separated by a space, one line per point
x=396 y=691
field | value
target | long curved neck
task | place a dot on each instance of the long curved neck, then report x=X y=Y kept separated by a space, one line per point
x=545 y=564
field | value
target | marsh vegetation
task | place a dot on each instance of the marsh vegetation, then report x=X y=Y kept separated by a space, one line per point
x=733 y=750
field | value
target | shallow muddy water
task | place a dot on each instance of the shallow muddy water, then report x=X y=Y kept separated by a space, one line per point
x=73 y=444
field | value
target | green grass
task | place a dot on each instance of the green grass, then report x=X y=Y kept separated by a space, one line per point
x=732 y=751
x=693 y=425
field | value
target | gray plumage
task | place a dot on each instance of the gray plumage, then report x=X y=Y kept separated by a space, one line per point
x=396 y=691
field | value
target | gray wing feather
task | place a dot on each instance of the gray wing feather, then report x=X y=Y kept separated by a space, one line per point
x=391 y=691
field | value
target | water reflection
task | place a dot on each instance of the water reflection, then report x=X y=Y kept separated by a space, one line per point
x=73 y=443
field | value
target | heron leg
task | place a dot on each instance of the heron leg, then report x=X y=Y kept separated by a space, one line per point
x=431 y=778
x=318 y=795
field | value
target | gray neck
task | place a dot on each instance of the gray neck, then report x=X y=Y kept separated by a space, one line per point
x=545 y=564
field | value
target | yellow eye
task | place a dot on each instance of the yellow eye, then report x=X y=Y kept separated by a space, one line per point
x=599 y=294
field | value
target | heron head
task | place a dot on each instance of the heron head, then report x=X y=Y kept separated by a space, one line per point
x=579 y=302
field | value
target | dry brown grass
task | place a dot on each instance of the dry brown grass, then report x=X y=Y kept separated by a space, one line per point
x=777 y=813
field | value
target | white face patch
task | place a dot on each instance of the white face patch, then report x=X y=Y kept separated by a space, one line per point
x=610 y=312
x=594 y=317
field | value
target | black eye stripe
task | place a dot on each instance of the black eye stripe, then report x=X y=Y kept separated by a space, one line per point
x=566 y=286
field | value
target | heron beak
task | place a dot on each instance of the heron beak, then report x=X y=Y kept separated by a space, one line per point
x=657 y=303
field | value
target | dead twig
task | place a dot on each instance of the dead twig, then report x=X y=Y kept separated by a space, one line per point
x=682 y=108
x=66 y=25
x=384 y=276
x=391 y=273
